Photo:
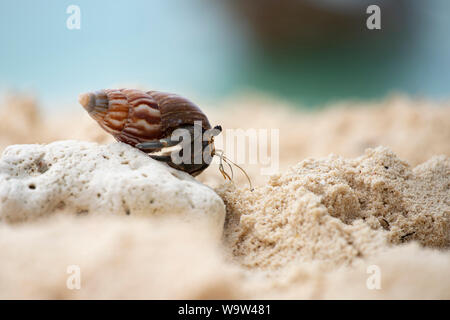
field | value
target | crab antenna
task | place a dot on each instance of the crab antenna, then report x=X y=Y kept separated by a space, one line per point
x=221 y=156
x=222 y=170
x=243 y=171
x=225 y=175
x=229 y=166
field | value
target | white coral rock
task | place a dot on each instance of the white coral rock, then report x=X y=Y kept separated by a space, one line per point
x=83 y=177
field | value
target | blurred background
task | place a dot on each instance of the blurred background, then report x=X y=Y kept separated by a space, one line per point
x=309 y=52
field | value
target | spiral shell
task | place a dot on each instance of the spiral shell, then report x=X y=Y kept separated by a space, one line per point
x=134 y=116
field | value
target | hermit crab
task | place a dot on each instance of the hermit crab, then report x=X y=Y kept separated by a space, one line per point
x=152 y=120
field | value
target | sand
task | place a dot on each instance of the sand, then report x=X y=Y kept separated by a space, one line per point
x=335 y=210
x=361 y=186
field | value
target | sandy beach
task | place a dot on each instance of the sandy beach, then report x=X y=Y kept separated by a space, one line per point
x=361 y=184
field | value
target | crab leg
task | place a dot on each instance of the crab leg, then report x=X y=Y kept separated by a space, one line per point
x=156 y=144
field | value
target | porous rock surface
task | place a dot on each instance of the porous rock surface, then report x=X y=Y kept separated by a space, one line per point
x=84 y=177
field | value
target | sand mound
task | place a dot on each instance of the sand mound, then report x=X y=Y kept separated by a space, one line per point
x=337 y=210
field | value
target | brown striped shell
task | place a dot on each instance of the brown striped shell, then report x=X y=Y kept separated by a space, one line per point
x=134 y=116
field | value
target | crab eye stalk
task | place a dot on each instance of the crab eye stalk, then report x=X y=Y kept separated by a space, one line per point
x=217 y=129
